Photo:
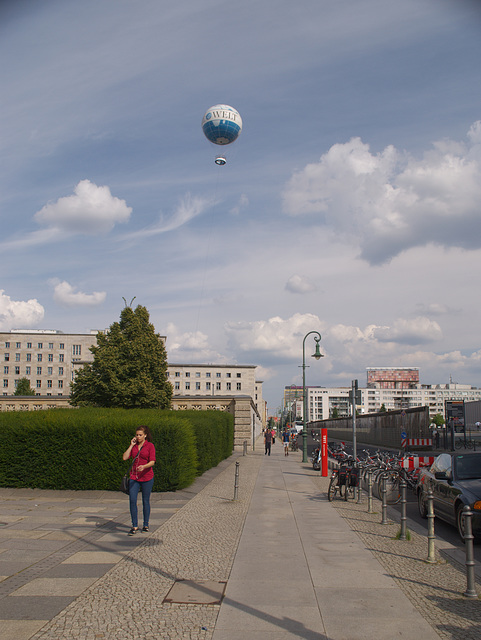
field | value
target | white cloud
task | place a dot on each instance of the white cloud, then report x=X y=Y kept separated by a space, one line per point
x=15 y=314
x=300 y=284
x=242 y=204
x=409 y=331
x=91 y=210
x=65 y=295
x=189 y=208
x=390 y=202
x=275 y=338
x=190 y=347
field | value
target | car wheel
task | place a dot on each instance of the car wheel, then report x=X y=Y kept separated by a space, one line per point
x=423 y=510
x=460 y=522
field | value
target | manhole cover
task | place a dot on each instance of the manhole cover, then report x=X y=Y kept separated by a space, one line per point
x=196 y=592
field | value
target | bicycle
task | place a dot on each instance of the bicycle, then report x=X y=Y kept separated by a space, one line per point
x=467 y=444
x=340 y=481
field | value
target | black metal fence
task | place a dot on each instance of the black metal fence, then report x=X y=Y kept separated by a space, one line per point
x=379 y=429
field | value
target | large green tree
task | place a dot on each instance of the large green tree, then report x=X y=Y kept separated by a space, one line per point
x=23 y=388
x=129 y=369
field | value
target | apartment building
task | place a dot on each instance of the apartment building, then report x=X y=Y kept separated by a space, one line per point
x=403 y=393
x=49 y=359
x=211 y=380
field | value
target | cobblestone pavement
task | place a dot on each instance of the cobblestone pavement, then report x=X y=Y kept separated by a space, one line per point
x=434 y=589
x=198 y=543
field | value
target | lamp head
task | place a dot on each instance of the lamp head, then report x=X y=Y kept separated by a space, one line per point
x=317 y=355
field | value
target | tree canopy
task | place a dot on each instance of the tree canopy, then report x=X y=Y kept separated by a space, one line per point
x=129 y=369
x=23 y=388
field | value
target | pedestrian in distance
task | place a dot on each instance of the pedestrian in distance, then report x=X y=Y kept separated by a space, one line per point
x=268 y=441
x=285 y=441
x=142 y=450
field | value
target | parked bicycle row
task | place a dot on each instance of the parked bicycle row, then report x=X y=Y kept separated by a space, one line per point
x=375 y=468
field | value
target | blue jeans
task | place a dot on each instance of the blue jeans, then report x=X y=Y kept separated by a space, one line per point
x=146 y=489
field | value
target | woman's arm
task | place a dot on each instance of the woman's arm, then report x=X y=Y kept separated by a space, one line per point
x=126 y=453
x=143 y=467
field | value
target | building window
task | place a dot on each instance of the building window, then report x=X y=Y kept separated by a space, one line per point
x=197 y=386
x=50 y=345
x=5 y=369
x=229 y=386
x=197 y=374
x=60 y=371
x=5 y=383
x=218 y=386
x=17 y=357
x=187 y=386
x=60 y=384
x=187 y=374
x=29 y=357
x=7 y=357
x=39 y=371
x=177 y=374
x=60 y=357
x=39 y=384
x=28 y=370
x=29 y=345
x=207 y=375
x=61 y=346
x=207 y=386
x=17 y=371
x=18 y=345
x=50 y=371
x=217 y=375
x=76 y=349
x=7 y=345
x=229 y=375
x=39 y=357
x=49 y=384
x=50 y=357
x=40 y=345
x=177 y=386
x=238 y=375
x=239 y=386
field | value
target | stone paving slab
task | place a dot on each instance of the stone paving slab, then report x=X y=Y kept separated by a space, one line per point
x=435 y=590
x=207 y=536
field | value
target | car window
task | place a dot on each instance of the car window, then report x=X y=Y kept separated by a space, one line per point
x=468 y=467
x=442 y=463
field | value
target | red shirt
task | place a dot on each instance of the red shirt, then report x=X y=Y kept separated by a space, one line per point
x=147 y=454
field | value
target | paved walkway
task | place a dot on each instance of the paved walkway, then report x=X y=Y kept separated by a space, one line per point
x=279 y=562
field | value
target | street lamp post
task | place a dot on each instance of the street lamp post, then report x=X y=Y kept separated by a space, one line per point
x=317 y=354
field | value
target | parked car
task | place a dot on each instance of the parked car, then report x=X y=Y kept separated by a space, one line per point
x=455 y=480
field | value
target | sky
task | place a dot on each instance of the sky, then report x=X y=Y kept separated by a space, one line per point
x=350 y=204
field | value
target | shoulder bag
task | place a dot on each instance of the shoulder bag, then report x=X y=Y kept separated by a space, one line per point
x=124 y=485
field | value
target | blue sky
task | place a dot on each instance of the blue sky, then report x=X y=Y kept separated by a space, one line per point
x=350 y=204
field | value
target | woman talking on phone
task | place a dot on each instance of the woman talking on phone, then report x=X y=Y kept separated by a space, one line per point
x=142 y=450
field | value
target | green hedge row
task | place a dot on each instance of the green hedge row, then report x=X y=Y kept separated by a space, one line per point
x=82 y=449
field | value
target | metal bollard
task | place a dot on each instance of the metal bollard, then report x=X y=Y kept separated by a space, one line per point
x=384 y=499
x=359 y=489
x=236 y=480
x=468 y=541
x=245 y=448
x=369 y=491
x=431 y=537
x=402 y=535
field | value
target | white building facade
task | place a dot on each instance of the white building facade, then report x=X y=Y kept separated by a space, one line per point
x=49 y=359
x=328 y=402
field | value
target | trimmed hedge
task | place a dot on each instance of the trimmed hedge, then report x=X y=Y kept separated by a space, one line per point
x=82 y=449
